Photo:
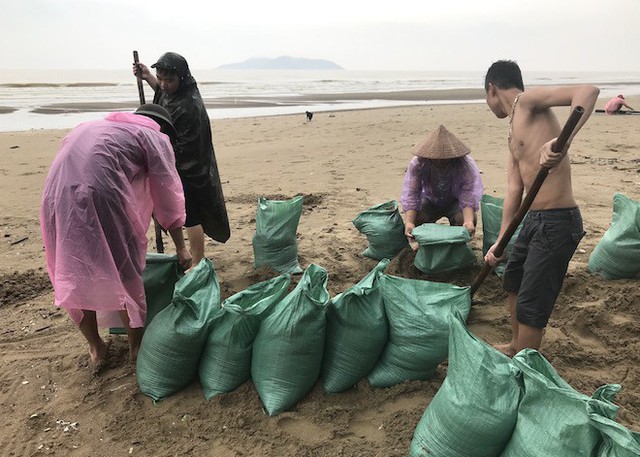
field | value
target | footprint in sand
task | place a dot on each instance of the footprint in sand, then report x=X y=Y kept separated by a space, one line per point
x=304 y=430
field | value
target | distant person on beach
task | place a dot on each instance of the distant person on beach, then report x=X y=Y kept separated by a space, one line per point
x=107 y=178
x=177 y=91
x=552 y=228
x=614 y=106
x=309 y=115
x=442 y=180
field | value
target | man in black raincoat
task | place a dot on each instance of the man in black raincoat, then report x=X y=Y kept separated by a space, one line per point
x=177 y=91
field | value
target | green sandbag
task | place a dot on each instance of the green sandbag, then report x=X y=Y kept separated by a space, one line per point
x=226 y=358
x=160 y=274
x=384 y=229
x=491 y=210
x=287 y=352
x=618 y=441
x=173 y=342
x=443 y=248
x=418 y=312
x=552 y=416
x=275 y=243
x=357 y=331
x=616 y=254
x=475 y=410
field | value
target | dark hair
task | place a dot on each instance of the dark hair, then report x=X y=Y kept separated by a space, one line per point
x=504 y=74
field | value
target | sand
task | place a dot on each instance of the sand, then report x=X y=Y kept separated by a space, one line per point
x=343 y=162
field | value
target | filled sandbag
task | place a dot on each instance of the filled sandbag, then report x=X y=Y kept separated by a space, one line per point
x=443 y=248
x=275 y=243
x=617 y=254
x=172 y=344
x=418 y=313
x=226 y=358
x=160 y=274
x=474 y=412
x=384 y=229
x=287 y=351
x=491 y=211
x=357 y=331
x=617 y=440
x=552 y=416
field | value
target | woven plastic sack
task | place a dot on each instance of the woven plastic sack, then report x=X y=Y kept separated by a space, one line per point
x=226 y=358
x=418 y=312
x=275 y=243
x=287 y=352
x=491 y=210
x=357 y=331
x=384 y=229
x=172 y=344
x=475 y=410
x=160 y=274
x=617 y=440
x=617 y=254
x=443 y=248
x=552 y=417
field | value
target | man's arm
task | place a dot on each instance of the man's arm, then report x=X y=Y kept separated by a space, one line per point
x=540 y=98
x=512 y=201
x=184 y=256
x=141 y=70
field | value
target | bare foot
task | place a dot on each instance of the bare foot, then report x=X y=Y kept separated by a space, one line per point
x=507 y=349
x=98 y=353
x=98 y=357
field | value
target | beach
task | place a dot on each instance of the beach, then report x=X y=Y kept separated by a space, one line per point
x=343 y=162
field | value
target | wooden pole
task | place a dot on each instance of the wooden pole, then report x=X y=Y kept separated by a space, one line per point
x=567 y=130
x=140 y=87
x=156 y=225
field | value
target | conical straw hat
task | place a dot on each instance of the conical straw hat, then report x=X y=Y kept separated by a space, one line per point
x=440 y=144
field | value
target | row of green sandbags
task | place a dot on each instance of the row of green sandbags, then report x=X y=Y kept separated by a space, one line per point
x=442 y=248
x=493 y=406
x=386 y=328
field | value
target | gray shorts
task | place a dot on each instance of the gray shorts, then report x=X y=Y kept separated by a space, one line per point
x=539 y=260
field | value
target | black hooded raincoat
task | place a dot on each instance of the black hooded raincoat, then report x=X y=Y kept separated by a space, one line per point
x=193 y=146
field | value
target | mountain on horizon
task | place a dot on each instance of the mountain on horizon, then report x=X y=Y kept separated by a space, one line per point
x=282 y=63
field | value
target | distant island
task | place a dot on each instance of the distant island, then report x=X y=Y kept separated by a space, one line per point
x=282 y=63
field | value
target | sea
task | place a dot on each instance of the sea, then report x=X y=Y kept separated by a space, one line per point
x=24 y=92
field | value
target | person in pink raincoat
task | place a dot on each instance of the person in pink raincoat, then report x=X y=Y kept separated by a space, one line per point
x=106 y=180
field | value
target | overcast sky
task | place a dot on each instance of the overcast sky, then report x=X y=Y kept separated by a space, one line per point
x=574 y=35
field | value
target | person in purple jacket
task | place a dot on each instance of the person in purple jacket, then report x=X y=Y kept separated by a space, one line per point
x=442 y=180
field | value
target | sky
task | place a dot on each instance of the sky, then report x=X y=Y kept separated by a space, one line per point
x=398 y=35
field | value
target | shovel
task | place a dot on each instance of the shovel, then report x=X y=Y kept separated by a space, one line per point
x=156 y=226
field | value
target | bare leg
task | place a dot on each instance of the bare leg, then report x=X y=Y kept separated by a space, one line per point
x=195 y=235
x=89 y=329
x=510 y=349
x=134 y=336
x=529 y=337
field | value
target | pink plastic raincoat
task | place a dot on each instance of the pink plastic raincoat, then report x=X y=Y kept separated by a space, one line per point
x=104 y=183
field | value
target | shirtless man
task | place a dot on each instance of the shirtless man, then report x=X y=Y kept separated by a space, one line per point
x=553 y=227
